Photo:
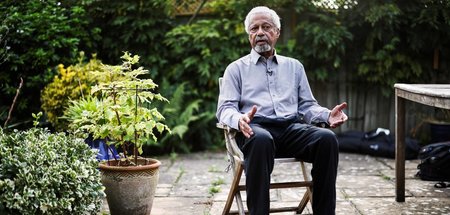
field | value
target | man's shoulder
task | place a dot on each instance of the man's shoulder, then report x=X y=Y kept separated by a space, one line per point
x=286 y=59
x=244 y=60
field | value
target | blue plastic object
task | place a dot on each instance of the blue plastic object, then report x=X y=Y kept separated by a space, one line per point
x=104 y=151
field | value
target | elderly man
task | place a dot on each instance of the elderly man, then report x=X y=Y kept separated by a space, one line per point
x=267 y=98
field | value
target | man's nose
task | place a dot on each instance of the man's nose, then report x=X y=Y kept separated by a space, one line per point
x=260 y=31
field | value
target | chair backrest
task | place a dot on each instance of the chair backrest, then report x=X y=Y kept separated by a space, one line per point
x=230 y=133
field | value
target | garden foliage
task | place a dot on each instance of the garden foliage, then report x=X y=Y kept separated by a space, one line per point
x=120 y=108
x=45 y=173
x=71 y=83
x=35 y=37
x=133 y=25
x=368 y=43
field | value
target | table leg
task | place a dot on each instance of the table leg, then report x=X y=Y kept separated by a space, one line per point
x=399 y=148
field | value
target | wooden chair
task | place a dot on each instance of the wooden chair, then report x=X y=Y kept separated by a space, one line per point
x=236 y=159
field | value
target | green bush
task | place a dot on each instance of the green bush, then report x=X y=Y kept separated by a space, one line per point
x=134 y=25
x=71 y=83
x=45 y=173
x=36 y=36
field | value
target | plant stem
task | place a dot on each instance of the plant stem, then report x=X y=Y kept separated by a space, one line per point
x=118 y=120
x=135 y=152
x=112 y=152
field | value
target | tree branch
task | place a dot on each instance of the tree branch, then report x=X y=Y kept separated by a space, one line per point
x=13 y=103
x=196 y=12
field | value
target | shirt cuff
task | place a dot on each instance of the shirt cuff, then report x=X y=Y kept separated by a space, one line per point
x=322 y=120
x=235 y=121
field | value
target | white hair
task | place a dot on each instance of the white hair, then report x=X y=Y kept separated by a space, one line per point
x=264 y=10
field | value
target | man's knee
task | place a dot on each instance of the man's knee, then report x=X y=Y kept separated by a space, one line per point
x=261 y=139
x=260 y=142
x=328 y=139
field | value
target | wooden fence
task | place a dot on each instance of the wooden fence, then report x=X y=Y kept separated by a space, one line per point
x=367 y=108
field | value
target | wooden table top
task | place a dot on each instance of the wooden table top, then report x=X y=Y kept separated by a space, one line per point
x=438 y=90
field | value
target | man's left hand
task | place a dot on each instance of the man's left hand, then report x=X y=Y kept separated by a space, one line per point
x=337 y=116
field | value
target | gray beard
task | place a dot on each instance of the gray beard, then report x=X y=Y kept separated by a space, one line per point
x=264 y=48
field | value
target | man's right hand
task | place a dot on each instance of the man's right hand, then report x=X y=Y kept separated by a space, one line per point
x=244 y=122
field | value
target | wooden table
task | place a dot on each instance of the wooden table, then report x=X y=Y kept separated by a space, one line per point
x=436 y=95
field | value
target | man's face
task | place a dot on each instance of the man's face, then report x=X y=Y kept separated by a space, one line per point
x=263 y=34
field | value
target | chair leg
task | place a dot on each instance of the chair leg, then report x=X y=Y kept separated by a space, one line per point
x=235 y=188
x=240 y=205
x=308 y=194
x=234 y=192
x=303 y=203
x=307 y=178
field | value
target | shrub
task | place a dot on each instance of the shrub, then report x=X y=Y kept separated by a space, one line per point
x=71 y=83
x=41 y=172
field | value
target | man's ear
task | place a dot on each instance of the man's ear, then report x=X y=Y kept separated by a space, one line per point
x=278 y=33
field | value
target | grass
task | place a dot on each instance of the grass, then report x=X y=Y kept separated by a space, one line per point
x=215 y=186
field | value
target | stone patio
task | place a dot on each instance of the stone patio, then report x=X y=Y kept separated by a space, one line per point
x=197 y=184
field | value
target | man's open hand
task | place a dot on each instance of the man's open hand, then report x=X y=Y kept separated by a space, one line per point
x=337 y=116
x=244 y=122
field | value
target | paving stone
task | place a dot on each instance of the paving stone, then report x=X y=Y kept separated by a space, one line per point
x=346 y=208
x=351 y=164
x=390 y=173
x=420 y=188
x=223 y=194
x=175 y=205
x=369 y=192
x=409 y=164
x=291 y=194
x=163 y=190
x=217 y=207
x=365 y=181
x=105 y=208
x=199 y=190
x=410 y=206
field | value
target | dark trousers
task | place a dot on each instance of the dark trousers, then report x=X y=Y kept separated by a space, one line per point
x=271 y=139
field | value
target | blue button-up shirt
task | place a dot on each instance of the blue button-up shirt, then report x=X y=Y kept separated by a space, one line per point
x=278 y=86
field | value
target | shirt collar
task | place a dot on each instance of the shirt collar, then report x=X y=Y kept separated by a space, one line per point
x=255 y=56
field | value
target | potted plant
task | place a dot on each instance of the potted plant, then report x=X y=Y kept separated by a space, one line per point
x=120 y=111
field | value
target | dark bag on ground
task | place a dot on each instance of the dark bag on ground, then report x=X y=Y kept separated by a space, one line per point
x=378 y=142
x=435 y=162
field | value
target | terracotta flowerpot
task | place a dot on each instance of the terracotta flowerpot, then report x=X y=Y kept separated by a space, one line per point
x=130 y=189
